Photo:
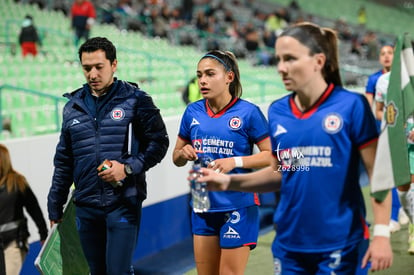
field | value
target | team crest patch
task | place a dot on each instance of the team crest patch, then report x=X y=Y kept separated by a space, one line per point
x=197 y=144
x=235 y=123
x=118 y=114
x=332 y=123
x=391 y=114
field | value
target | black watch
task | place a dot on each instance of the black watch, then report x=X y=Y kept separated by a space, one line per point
x=128 y=169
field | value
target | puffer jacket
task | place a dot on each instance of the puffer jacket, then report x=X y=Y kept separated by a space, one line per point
x=86 y=141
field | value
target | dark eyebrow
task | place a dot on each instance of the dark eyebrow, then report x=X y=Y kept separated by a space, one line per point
x=92 y=65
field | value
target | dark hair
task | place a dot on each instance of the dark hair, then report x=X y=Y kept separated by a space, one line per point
x=229 y=62
x=98 y=43
x=319 y=40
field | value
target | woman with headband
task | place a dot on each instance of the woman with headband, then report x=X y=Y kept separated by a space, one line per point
x=221 y=130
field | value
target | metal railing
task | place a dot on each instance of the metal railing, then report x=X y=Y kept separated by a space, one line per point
x=56 y=104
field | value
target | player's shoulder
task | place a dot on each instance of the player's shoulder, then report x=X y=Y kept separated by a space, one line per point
x=346 y=93
x=347 y=97
x=246 y=104
x=280 y=102
x=196 y=106
x=376 y=75
x=384 y=77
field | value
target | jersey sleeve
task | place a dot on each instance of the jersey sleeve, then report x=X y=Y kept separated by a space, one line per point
x=381 y=88
x=184 y=130
x=363 y=125
x=258 y=126
x=370 y=87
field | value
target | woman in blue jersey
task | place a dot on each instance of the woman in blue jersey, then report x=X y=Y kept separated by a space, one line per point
x=385 y=59
x=319 y=133
x=221 y=129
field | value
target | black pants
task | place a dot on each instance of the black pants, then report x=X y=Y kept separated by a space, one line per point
x=2 y=263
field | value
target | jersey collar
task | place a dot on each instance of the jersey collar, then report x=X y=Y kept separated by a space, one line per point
x=222 y=111
x=306 y=114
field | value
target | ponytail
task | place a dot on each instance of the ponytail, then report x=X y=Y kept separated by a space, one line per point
x=331 y=69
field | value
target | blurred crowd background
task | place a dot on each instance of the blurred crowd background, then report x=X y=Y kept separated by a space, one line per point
x=160 y=41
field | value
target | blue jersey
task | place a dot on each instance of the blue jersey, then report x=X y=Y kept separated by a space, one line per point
x=231 y=132
x=322 y=206
x=372 y=82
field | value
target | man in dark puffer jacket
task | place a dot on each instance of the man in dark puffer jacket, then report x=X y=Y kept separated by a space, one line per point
x=106 y=119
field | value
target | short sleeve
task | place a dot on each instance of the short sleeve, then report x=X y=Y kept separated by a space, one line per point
x=381 y=88
x=259 y=126
x=364 y=127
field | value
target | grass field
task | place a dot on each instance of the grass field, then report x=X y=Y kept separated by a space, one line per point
x=261 y=262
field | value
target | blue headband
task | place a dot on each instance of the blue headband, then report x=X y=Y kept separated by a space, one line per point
x=218 y=59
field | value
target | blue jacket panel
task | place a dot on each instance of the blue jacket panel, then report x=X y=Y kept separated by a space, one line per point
x=87 y=139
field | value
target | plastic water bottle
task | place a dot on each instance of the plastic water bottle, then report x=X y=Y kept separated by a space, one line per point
x=199 y=192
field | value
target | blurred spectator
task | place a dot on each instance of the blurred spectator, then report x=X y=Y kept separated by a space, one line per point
x=83 y=17
x=362 y=16
x=251 y=38
x=371 y=45
x=191 y=92
x=294 y=11
x=228 y=16
x=107 y=15
x=159 y=23
x=269 y=38
x=39 y=3
x=6 y=132
x=28 y=37
x=233 y=32
x=187 y=7
x=343 y=30
x=201 y=21
x=61 y=5
x=259 y=19
x=275 y=23
x=213 y=33
x=294 y=5
x=284 y=14
x=127 y=16
x=356 y=48
x=125 y=7
x=175 y=19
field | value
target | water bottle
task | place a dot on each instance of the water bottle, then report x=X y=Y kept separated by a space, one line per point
x=199 y=192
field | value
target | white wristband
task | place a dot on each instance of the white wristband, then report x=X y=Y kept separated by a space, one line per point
x=382 y=230
x=239 y=162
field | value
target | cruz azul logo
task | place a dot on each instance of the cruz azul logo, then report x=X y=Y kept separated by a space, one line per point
x=235 y=123
x=117 y=114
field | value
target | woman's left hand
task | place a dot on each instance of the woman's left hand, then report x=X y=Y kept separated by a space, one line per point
x=222 y=165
